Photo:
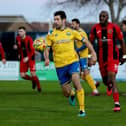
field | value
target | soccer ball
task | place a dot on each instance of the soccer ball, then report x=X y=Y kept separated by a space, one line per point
x=40 y=44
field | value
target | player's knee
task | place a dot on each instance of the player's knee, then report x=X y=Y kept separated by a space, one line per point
x=75 y=77
x=66 y=93
x=86 y=72
x=22 y=75
x=33 y=74
x=66 y=90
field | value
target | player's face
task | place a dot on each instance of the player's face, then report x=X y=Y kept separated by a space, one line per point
x=58 y=22
x=124 y=27
x=103 y=17
x=21 y=33
x=74 y=25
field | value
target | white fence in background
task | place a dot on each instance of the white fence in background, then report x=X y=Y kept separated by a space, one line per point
x=10 y=71
x=121 y=75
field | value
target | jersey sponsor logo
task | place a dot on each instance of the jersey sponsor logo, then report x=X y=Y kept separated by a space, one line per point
x=99 y=31
x=104 y=39
x=62 y=41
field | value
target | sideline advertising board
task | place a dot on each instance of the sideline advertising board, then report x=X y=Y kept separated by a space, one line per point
x=9 y=71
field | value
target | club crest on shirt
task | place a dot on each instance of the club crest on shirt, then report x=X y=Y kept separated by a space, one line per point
x=68 y=33
x=56 y=35
x=110 y=31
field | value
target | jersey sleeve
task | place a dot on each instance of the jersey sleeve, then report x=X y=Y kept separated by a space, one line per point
x=92 y=34
x=78 y=36
x=2 y=51
x=32 y=50
x=119 y=33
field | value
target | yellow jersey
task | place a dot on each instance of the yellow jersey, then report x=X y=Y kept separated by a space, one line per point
x=83 y=53
x=62 y=43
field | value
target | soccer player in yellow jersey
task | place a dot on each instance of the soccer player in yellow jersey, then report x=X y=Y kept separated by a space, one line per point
x=83 y=55
x=61 y=40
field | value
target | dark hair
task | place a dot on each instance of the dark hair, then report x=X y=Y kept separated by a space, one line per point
x=62 y=14
x=124 y=21
x=104 y=11
x=76 y=20
x=22 y=27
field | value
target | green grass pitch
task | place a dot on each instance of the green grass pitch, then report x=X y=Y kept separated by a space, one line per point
x=21 y=106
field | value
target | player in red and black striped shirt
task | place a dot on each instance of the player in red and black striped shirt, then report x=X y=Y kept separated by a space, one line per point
x=107 y=34
x=2 y=53
x=27 y=57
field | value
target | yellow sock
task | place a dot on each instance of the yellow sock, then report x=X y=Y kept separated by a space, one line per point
x=81 y=99
x=90 y=81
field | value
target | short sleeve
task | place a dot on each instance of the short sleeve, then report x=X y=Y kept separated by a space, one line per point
x=119 y=33
x=84 y=34
x=92 y=34
x=78 y=36
x=48 y=40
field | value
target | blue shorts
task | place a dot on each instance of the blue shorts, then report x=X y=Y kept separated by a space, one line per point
x=83 y=63
x=64 y=73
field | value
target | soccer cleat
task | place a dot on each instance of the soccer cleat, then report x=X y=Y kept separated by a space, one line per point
x=39 y=89
x=95 y=94
x=116 y=108
x=33 y=85
x=109 y=90
x=82 y=114
x=97 y=84
x=72 y=100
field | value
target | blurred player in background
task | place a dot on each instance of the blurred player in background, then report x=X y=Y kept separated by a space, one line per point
x=2 y=53
x=107 y=34
x=27 y=57
x=83 y=55
x=61 y=40
x=124 y=28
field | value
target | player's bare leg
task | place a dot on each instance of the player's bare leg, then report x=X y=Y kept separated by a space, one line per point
x=66 y=89
x=25 y=76
x=111 y=78
x=69 y=92
x=28 y=77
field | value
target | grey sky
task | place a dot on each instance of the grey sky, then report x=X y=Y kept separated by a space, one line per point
x=31 y=9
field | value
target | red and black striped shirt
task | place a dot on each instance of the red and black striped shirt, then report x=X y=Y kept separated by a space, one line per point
x=25 y=47
x=106 y=38
x=2 y=51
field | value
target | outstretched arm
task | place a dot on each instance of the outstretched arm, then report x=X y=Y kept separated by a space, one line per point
x=92 y=51
x=46 y=56
x=123 y=57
